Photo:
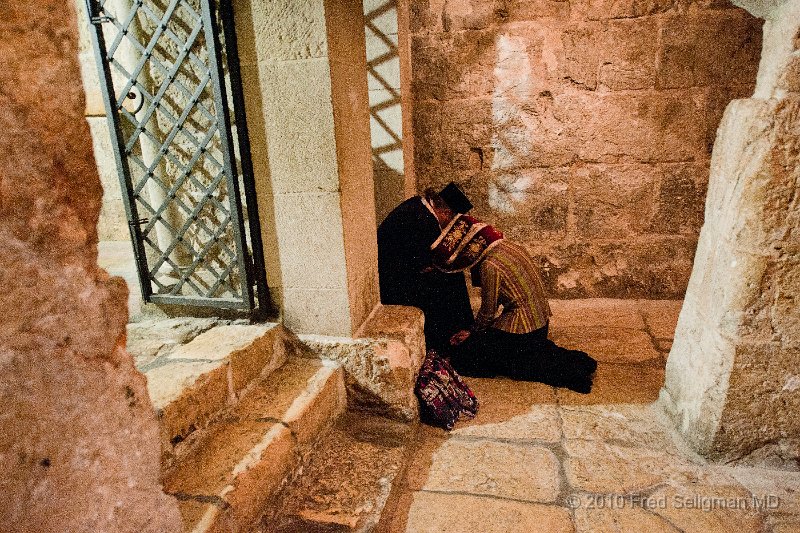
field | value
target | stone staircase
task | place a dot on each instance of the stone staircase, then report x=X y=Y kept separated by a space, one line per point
x=239 y=406
x=255 y=429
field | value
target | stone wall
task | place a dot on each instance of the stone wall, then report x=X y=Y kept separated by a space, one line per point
x=582 y=128
x=79 y=447
x=304 y=74
x=732 y=381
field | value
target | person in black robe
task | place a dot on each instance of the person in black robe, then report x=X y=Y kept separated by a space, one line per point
x=405 y=270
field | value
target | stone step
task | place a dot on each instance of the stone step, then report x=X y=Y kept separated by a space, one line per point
x=346 y=480
x=191 y=383
x=224 y=475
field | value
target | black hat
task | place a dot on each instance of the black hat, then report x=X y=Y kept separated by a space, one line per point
x=455 y=198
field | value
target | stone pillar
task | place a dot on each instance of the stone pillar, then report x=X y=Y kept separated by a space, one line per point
x=79 y=446
x=733 y=375
x=304 y=72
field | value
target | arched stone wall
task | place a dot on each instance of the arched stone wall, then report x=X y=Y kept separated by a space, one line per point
x=79 y=448
x=733 y=375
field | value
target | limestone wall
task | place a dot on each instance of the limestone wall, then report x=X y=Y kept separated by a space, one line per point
x=79 y=447
x=304 y=75
x=582 y=128
x=733 y=375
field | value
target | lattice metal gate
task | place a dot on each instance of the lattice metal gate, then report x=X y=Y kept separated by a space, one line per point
x=174 y=102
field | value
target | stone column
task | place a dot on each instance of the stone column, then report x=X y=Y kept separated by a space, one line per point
x=304 y=71
x=79 y=444
x=733 y=375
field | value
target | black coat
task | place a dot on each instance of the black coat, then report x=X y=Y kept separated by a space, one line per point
x=404 y=240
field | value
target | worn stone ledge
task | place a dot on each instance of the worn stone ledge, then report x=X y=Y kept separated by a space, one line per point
x=381 y=365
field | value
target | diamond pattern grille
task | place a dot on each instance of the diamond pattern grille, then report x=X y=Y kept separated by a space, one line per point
x=174 y=145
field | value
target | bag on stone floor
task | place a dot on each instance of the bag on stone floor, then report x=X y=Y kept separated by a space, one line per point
x=443 y=396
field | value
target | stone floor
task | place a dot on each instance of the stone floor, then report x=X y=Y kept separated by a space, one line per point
x=539 y=459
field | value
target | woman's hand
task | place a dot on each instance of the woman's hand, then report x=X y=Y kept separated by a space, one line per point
x=459 y=337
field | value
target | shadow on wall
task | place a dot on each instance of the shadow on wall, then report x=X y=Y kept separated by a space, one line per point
x=383 y=76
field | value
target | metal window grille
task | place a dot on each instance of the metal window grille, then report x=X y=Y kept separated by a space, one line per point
x=174 y=102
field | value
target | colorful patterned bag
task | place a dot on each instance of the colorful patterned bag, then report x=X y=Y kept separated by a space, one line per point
x=443 y=396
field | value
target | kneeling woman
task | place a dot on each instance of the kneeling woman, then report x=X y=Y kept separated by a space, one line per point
x=513 y=342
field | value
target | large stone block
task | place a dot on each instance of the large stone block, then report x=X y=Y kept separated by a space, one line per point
x=717 y=99
x=280 y=30
x=628 y=54
x=523 y=203
x=619 y=9
x=380 y=374
x=304 y=243
x=519 y=10
x=398 y=322
x=426 y=15
x=533 y=132
x=643 y=268
x=473 y=14
x=426 y=125
x=641 y=127
x=298 y=112
x=613 y=201
x=679 y=207
x=709 y=48
x=581 y=62
x=466 y=131
x=515 y=471
x=453 y=65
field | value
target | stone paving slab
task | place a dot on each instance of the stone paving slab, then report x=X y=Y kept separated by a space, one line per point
x=630 y=425
x=521 y=472
x=784 y=525
x=763 y=483
x=596 y=312
x=612 y=445
x=615 y=384
x=347 y=480
x=596 y=466
x=700 y=508
x=427 y=441
x=610 y=345
x=512 y=410
x=610 y=514
x=456 y=513
x=661 y=316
